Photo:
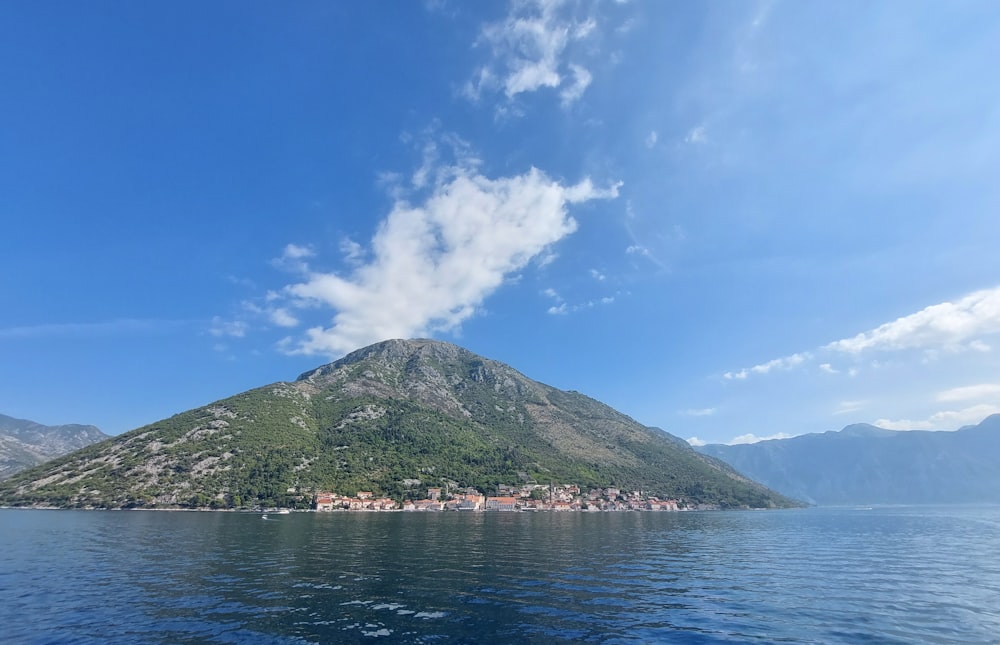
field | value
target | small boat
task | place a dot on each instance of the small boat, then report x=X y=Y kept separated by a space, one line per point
x=283 y=511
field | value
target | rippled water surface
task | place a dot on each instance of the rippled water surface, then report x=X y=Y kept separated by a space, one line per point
x=882 y=575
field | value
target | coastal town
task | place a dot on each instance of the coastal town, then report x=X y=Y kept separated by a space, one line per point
x=530 y=497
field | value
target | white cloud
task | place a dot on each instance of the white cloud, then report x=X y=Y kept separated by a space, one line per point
x=696 y=136
x=431 y=265
x=939 y=329
x=295 y=252
x=784 y=363
x=847 y=407
x=944 y=420
x=529 y=52
x=293 y=258
x=752 y=438
x=695 y=441
x=581 y=81
x=971 y=392
x=597 y=275
x=979 y=346
x=422 y=176
x=235 y=328
x=652 y=138
x=698 y=412
x=353 y=252
x=626 y=27
x=637 y=248
x=282 y=318
x=120 y=327
x=243 y=282
x=947 y=326
x=546 y=257
x=561 y=307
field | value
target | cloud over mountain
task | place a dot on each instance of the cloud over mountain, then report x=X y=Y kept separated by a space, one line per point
x=432 y=264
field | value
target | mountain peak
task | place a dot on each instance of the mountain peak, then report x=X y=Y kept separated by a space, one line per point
x=395 y=351
x=865 y=430
x=429 y=372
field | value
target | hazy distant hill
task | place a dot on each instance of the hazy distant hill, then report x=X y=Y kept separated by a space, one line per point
x=866 y=464
x=24 y=443
x=393 y=418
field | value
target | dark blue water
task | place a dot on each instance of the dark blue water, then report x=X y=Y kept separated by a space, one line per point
x=886 y=575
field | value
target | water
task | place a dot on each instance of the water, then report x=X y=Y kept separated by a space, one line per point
x=885 y=575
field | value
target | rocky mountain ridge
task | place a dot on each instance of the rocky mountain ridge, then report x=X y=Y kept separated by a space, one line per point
x=25 y=443
x=865 y=464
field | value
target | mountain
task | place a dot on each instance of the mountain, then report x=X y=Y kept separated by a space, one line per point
x=863 y=464
x=24 y=443
x=393 y=418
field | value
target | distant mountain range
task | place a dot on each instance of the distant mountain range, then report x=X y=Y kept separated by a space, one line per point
x=394 y=418
x=863 y=464
x=24 y=443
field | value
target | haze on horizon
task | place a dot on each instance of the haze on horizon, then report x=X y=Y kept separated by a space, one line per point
x=732 y=221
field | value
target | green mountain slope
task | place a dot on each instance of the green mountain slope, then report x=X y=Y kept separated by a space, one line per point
x=393 y=418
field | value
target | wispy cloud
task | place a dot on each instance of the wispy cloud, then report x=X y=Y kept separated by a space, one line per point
x=943 y=328
x=530 y=51
x=696 y=136
x=124 y=326
x=431 y=264
x=282 y=318
x=784 y=363
x=231 y=328
x=352 y=251
x=971 y=392
x=638 y=248
x=981 y=400
x=847 y=407
x=573 y=91
x=698 y=412
x=944 y=420
x=742 y=439
x=561 y=307
x=752 y=438
x=293 y=258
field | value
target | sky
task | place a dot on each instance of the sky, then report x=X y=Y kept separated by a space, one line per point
x=731 y=220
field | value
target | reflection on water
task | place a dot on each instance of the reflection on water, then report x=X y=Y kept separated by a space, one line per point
x=820 y=575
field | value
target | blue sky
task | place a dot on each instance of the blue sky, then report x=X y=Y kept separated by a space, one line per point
x=730 y=220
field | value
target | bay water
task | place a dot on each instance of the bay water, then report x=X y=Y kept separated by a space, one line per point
x=821 y=575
